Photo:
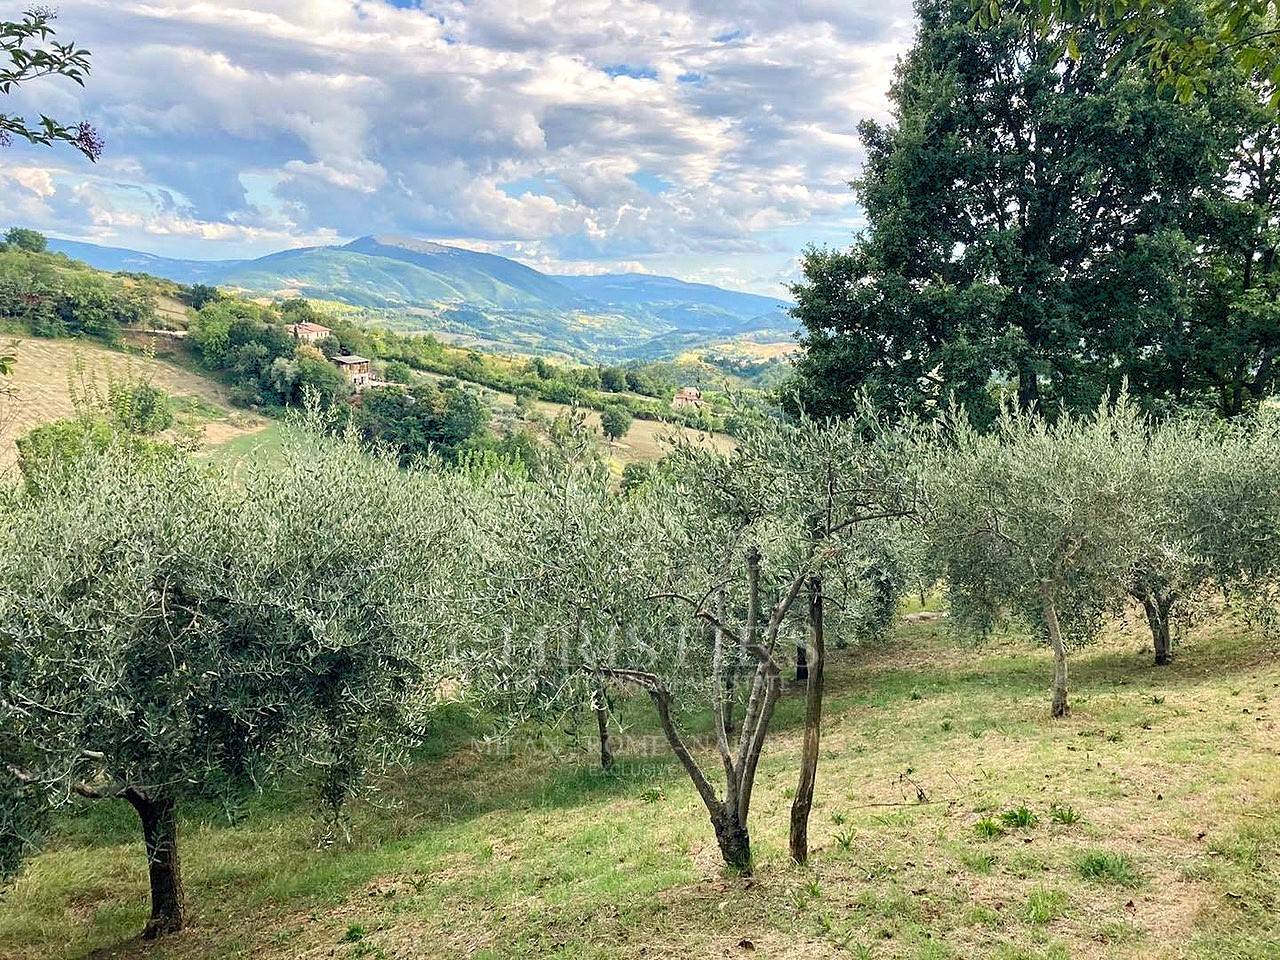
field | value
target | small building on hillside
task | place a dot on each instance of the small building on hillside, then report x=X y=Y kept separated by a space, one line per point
x=355 y=369
x=308 y=332
x=687 y=398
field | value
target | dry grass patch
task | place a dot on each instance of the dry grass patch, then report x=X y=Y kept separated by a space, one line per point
x=45 y=368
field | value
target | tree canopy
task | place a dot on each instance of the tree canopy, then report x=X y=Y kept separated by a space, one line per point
x=1178 y=45
x=176 y=634
x=1049 y=225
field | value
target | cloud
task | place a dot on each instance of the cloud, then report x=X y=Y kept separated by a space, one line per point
x=633 y=131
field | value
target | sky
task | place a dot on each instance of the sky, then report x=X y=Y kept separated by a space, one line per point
x=705 y=139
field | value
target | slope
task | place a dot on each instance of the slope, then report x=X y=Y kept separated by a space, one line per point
x=414 y=284
x=46 y=369
x=1172 y=773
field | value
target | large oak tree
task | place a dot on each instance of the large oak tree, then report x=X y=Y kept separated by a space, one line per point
x=1030 y=218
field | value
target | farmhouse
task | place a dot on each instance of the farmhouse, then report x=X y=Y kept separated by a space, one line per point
x=308 y=332
x=355 y=369
x=687 y=397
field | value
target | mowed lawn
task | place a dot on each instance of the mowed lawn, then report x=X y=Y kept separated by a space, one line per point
x=1153 y=831
x=46 y=370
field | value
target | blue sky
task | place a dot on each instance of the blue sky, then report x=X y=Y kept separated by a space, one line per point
x=705 y=139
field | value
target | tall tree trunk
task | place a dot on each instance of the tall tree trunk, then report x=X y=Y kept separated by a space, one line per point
x=1054 y=628
x=1028 y=384
x=158 y=814
x=802 y=661
x=730 y=695
x=1158 y=607
x=730 y=691
x=600 y=705
x=803 y=801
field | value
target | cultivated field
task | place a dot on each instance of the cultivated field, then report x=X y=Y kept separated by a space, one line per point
x=43 y=375
x=1151 y=830
x=645 y=442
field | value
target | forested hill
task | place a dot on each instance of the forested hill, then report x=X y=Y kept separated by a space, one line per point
x=481 y=293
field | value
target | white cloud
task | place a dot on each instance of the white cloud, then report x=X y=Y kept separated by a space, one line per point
x=606 y=132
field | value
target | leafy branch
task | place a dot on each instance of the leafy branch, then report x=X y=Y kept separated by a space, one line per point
x=32 y=52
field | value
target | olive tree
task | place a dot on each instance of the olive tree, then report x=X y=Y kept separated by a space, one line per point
x=691 y=581
x=1211 y=504
x=166 y=632
x=823 y=505
x=1038 y=519
x=567 y=562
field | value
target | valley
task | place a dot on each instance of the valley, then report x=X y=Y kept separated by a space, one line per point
x=489 y=301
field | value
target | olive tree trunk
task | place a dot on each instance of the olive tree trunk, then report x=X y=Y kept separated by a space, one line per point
x=158 y=814
x=1054 y=629
x=729 y=816
x=1158 y=608
x=803 y=801
x=600 y=706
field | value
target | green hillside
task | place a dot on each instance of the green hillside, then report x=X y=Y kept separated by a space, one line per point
x=71 y=322
x=47 y=370
x=370 y=273
x=482 y=299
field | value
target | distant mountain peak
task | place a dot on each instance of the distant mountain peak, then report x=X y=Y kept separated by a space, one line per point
x=397 y=240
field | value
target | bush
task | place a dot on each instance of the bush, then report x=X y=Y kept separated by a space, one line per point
x=417 y=421
x=397 y=371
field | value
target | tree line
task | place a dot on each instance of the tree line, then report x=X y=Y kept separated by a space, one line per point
x=172 y=631
x=49 y=295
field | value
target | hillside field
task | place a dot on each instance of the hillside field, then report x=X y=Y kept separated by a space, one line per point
x=42 y=382
x=645 y=442
x=1153 y=832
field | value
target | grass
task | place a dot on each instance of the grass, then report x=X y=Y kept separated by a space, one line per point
x=473 y=853
x=1021 y=818
x=42 y=376
x=263 y=446
x=1045 y=905
x=1104 y=866
x=1064 y=814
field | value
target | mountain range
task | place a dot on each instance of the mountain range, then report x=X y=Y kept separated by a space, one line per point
x=481 y=297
